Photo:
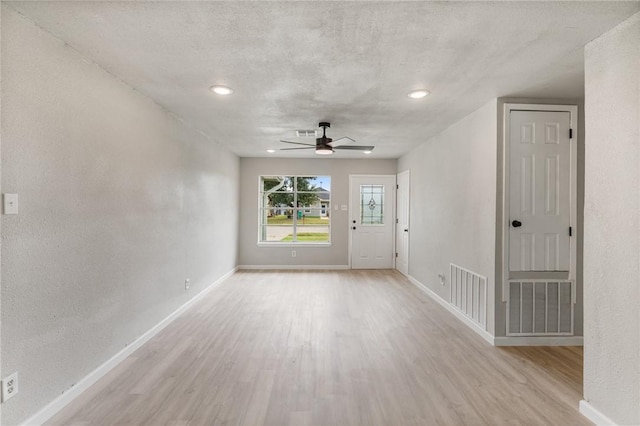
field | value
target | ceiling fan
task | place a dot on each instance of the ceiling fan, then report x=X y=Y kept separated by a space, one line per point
x=325 y=145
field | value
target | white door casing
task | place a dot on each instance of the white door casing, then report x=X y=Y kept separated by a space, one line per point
x=540 y=193
x=402 y=225
x=371 y=223
x=539 y=257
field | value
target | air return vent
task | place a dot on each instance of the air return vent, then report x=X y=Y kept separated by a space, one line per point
x=468 y=293
x=540 y=307
x=306 y=133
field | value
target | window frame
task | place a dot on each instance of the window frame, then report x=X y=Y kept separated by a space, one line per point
x=294 y=226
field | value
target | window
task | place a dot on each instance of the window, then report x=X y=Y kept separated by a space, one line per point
x=295 y=209
x=371 y=204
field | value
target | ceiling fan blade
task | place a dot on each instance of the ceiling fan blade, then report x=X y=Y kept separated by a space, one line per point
x=299 y=143
x=289 y=149
x=342 y=141
x=355 y=147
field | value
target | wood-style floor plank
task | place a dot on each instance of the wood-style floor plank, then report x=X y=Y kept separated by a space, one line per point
x=329 y=348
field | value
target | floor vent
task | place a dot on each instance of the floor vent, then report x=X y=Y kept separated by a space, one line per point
x=468 y=294
x=540 y=307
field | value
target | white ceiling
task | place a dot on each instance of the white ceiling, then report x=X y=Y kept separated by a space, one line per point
x=293 y=64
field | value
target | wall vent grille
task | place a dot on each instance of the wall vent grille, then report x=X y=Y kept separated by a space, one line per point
x=540 y=307
x=468 y=294
x=306 y=133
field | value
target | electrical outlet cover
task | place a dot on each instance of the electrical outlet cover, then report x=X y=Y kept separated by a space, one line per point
x=9 y=386
x=10 y=203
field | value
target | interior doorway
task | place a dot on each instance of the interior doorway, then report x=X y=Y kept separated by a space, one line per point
x=402 y=222
x=540 y=208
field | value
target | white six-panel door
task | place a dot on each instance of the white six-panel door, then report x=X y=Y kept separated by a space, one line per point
x=539 y=194
x=372 y=220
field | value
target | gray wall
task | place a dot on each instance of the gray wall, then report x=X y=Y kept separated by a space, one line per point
x=612 y=223
x=339 y=170
x=453 y=202
x=119 y=203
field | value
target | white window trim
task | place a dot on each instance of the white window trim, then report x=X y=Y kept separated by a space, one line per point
x=261 y=243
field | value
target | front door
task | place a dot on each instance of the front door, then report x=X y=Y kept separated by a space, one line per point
x=371 y=221
x=540 y=191
x=402 y=223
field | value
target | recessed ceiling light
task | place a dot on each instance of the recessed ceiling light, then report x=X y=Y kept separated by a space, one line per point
x=366 y=152
x=271 y=151
x=222 y=90
x=417 y=94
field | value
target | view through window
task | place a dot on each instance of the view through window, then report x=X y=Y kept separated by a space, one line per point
x=295 y=209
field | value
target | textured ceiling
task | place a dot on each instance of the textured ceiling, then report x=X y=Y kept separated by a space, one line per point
x=293 y=64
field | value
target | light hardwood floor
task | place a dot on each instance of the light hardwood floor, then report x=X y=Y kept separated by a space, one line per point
x=330 y=347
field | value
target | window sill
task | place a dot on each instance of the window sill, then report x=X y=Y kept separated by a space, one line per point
x=317 y=245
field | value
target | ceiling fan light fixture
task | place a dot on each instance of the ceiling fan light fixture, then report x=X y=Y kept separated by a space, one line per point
x=221 y=90
x=367 y=152
x=324 y=150
x=418 y=94
x=271 y=151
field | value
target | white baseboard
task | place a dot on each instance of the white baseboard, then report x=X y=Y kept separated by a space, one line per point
x=72 y=393
x=539 y=341
x=594 y=415
x=293 y=267
x=448 y=306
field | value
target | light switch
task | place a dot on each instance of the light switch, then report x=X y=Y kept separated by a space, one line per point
x=10 y=203
x=344 y=207
x=336 y=207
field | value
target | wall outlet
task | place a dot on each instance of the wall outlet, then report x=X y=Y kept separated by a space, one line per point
x=10 y=203
x=187 y=284
x=10 y=386
x=293 y=253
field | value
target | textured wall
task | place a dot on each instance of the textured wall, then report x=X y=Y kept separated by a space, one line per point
x=453 y=202
x=1 y=375
x=339 y=170
x=119 y=203
x=612 y=223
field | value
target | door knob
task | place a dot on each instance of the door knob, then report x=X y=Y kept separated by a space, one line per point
x=516 y=224
x=406 y=230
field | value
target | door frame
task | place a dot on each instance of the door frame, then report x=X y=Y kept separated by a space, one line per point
x=395 y=259
x=573 y=183
x=393 y=207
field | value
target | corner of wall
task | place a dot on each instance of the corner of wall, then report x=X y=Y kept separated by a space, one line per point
x=612 y=224
x=1 y=374
x=124 y=204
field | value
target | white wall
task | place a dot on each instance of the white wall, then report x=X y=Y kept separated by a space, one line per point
x=453 y=202
x=119 y=203
x=339 y=170
x=612 y=223
x=1 y=375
